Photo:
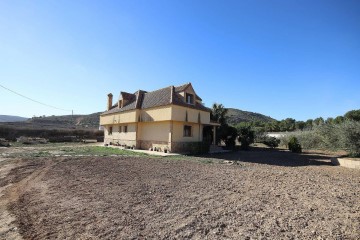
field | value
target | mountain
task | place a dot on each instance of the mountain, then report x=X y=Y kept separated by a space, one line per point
x=8 y=118
x=236 y=116
x=76 y=122
x=69 y=121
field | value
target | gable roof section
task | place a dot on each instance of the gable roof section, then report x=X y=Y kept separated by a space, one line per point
x=161 y=97
x=184 y=87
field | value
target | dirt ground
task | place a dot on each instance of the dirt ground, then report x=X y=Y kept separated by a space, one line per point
x=259 y=194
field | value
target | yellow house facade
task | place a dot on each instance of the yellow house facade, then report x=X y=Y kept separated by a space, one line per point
x=171 y=118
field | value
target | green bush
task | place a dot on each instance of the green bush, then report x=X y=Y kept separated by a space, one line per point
x=344 y=136
x=350 y=137
x=272 y=142
x=310 y=139
x=246 y=137
x=227 y=134
x=294 y=145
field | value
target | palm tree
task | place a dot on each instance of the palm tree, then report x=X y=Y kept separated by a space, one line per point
x=218 y=113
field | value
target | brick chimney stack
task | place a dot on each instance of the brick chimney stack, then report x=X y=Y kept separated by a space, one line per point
x=109 y=103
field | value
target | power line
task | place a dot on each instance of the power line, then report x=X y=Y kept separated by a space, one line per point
x=47 y=105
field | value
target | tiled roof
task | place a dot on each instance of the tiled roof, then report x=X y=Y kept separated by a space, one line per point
x=165 y=96
x=156 y=98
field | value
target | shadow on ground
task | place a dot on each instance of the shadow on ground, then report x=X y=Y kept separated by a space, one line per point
x=275 y=157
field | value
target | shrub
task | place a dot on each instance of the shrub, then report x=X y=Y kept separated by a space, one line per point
x=227 y=134
x=294 y=145
x=246 y=137
x=331 y=136
x=310 y=139
x=350 y=137
x=272 y=142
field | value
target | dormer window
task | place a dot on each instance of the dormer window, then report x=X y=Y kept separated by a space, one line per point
x=189 y=98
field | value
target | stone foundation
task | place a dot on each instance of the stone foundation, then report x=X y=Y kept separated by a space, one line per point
x=146 y=145
x=175 y=147
x=120 y=142
x=178 y=147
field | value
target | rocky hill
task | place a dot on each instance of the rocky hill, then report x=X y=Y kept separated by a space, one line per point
x=8 y=118
x=90 y=121
x=236 y=116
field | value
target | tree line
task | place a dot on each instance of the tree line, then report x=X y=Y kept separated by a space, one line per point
x=342 y=132
x=290 y=124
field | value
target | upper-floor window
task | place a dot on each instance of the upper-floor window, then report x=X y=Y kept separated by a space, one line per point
x=119 y=129
x=189 y=98
x=125 y=129
x=110 y=130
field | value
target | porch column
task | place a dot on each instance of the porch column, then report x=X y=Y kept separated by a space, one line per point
x=214 y=135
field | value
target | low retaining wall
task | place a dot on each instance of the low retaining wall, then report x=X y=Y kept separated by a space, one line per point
x=346 y=162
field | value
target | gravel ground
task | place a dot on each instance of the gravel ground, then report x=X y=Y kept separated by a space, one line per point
x=243 y=195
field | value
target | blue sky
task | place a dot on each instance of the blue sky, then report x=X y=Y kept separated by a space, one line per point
x=298 y=59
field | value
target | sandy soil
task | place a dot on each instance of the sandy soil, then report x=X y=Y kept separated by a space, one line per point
x=262 y=195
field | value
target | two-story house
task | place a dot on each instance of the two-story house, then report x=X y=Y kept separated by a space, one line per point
x=169 y=118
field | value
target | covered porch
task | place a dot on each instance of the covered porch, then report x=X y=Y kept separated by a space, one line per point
x=209 y=132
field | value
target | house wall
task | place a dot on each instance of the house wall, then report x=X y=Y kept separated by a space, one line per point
x=154 y=134
x=178 y=132
x=171 y=112
x=157 y=131
x=179 y=114
x=156 y=114
x=180 y=143
x=116 y=118
x=123 y=138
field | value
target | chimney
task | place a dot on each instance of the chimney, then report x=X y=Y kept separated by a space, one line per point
x=172 y=90
x=109 y=103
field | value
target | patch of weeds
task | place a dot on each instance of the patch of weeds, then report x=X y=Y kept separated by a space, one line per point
x=67 y=150
x=41 y=154
x=101 y=151
x=206 y=161
x=176 y=157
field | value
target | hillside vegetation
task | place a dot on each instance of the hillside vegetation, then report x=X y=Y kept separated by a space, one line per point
x=69 y=121
x=235 y=116
x=81 y=126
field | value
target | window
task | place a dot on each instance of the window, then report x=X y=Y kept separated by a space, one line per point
x=189 y=98
x=187 y=131
x=125 y=129
x=110 y=131
x=119 y=129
